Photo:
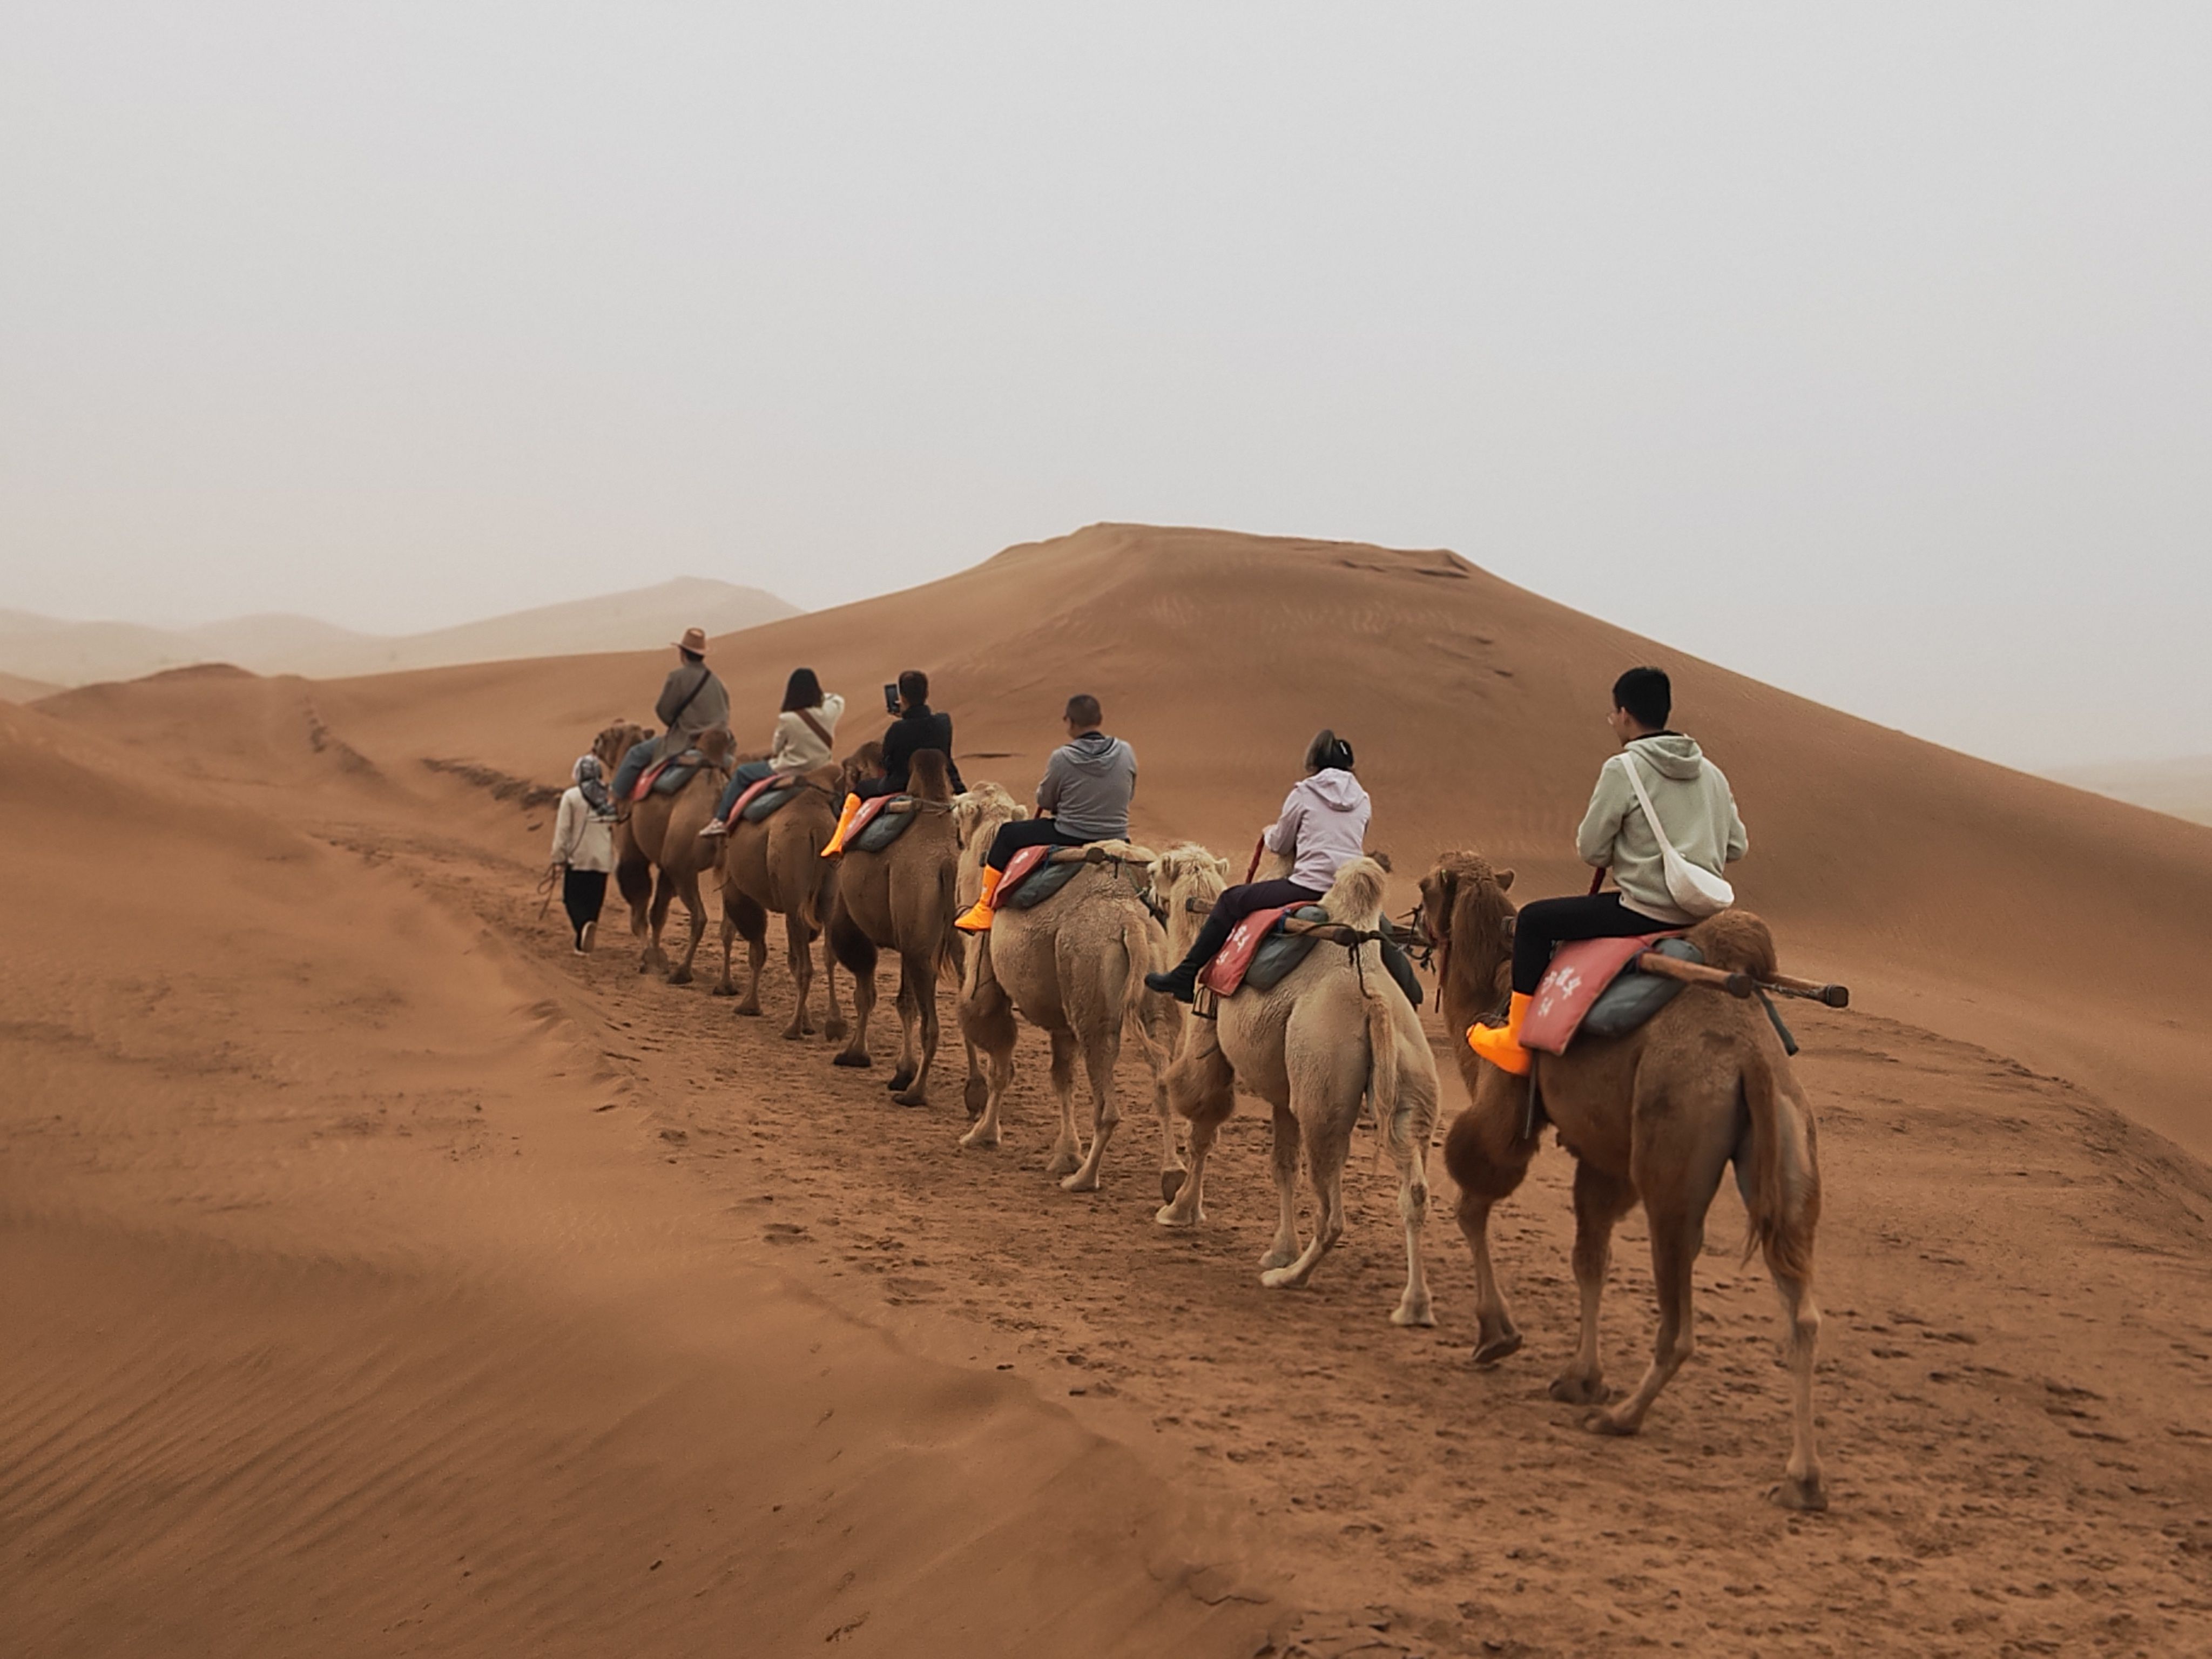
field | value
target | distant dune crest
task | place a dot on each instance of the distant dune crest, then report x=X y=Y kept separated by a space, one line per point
x=41 y=654
x=2181 y=788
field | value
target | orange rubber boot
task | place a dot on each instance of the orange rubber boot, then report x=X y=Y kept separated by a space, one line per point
x=1501 y=1044
x=977 y=917
x=844 y=822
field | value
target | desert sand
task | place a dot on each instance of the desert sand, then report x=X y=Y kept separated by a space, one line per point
x=389 y=1280
x=2181 y=787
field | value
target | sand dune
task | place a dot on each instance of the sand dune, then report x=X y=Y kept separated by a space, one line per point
x=2180 y=787
x=80 y=654
x=14 y=688
x=401 y=1282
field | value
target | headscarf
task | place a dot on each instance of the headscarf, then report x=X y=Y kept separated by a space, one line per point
x=590 y=777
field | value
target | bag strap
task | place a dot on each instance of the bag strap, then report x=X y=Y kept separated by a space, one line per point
x=1658 y=830
x=816 y=728
x=705 y=674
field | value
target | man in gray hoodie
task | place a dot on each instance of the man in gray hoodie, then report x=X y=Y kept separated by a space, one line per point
x=1696 y=813
x=1088 y=785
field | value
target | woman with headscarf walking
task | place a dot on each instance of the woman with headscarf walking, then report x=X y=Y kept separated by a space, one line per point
x=584 y=848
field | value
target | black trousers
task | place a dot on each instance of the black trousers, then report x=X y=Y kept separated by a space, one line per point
x=1234 y=905
x=1027 y=832
x=1544 y=926
x=583 y=893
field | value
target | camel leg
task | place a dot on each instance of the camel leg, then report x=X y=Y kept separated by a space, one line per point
x=1325 y=1154
x=1488 y=1159
x=1803 y=1486
x=1099 y=1057
x=857 y=952
x=1066 y=1151
x=986 y=1023
x=835 y=1027
x=725 y=986
x=664 y=895
x=634 y=880
x=918 y=1021
x=1601 y=1200
x=1414 y=1305
x=799 y=957
x=1203 y=1089
x=741 y=915
x=1284 y=1250
x=687 y=888
x=1159 y=1027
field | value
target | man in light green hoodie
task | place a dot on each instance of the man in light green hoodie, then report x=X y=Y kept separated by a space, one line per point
x=1696 y=813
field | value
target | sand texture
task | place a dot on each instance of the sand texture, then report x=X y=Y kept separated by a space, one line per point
x=382 y=1278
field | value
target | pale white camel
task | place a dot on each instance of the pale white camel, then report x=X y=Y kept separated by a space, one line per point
x=1332 y=1034
x=1074 y=967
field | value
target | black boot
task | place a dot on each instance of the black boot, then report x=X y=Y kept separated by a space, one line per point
x=1180 y=981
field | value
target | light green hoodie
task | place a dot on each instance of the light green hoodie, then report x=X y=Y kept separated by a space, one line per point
x=1694 y=805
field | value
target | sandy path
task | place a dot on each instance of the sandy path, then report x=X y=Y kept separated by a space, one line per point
x=2011 y=1388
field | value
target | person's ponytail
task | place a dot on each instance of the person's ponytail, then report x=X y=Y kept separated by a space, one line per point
x=1328 y=753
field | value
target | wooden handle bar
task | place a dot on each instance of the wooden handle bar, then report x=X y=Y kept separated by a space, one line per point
x=1696 y=973
x=1832 y=996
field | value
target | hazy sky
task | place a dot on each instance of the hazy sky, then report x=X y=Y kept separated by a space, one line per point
x=1865 y=349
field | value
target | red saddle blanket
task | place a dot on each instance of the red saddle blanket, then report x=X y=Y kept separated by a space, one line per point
x=870 y=808
x=772 y=782
x=1579 y=973
x=1233 y=960
x=646 y=779
x=1020 y=868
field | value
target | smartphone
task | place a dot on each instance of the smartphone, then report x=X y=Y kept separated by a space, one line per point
x=891 y=700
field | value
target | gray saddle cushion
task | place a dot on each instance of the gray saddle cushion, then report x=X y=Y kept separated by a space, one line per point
x=887 y=828
x=1041 y=883
x=1633 y=998
x=1273 y=961
x=764 y=803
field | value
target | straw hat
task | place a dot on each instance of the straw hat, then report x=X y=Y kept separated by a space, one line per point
x=694 y=640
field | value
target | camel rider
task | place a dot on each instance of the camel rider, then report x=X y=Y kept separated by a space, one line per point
x=1088 y=785
x=918 y=728
x=1323 y=827
x=805 y=734
x=1696 y=813
x=692 y=701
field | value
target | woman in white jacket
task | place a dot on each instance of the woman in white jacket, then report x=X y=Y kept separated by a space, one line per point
x=584 y=848
x=805 y=734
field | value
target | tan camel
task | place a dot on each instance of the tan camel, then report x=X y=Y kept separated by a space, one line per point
x=1654 y=1116
x=1332 y=1034
x=901 y=899
x=1074 y=966
x=661 y=833
x=777 y=865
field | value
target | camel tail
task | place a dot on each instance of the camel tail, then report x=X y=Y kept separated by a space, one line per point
x=1784 y=1188
x=1137 y=950
x=1393 y=1118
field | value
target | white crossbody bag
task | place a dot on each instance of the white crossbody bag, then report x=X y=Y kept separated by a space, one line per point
x=1696 y=893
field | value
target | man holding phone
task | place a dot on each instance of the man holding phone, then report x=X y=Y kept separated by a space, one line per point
x=918 y=728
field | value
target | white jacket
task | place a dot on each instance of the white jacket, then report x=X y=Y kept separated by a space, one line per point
x=581 y=840
x=1323 y=827
x=795 y=748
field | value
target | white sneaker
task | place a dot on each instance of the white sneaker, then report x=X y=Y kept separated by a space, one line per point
x=717 y=827
x=584 y=939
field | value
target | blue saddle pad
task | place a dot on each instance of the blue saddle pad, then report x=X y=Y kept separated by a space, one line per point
x=1280 y=951
x=885 y=828
x=1041 y=883
x=764 y=805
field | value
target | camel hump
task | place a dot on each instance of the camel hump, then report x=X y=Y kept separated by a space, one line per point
x=1736 y=941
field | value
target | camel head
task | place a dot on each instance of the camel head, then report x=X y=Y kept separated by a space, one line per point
x=1186 y=871
x=1465 y=911
x=862 y=764
x=929 y=775
x=718 y=747
x=1356 y=896
x=977 y=816
x=616 y=740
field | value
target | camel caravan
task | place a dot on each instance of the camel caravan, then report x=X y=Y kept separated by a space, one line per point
x=1638 y=1023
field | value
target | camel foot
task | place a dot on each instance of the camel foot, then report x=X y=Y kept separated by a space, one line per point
x=793 y=1033
x=1281 y=1256
x=1410 y=1315
x=978 y=1139
x=849 y=1057
x=681 y=976
x=1171 y=1184
x=1080 y=1181
x=836 y=1031
x=1492 y=1349
x=725 y=990
x=1062 y=1162
x=1281 y=1278
x=1572 y=1390
x=899 y=1079
x=910 y=1097
x=976 y=1097
x=1612 y=1423
x=1171 y=1215
x=1808 y=1493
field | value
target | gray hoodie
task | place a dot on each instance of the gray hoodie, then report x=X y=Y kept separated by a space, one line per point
x=1323 y=826
x=1088 y=785
x=1695 y=806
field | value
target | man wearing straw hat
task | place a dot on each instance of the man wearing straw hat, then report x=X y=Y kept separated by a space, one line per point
x=692 y=701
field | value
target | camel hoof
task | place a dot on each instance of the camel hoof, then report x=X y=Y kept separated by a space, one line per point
x=1489 y=1351
x=681 y=976
x=848 y=1058
x=1168 y=1215
x=1171 y=1184
x=899 y=1080
x=724 y=991
x=976 y=1140
x=1280 y=1279
x=1610 y=1422
x=1080 y=1182
x=1809 y=1495
x=792 y=1034
x=1420 y=1314
x=1062 y=1164
x=1282 y=1258
x=910 y=1097
x=976 y=1097
x=836 y=1031
x=1572 y=1390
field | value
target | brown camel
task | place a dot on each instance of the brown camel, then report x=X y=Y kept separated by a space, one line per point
x=901 y=899
x=777 y=865
x=1074 y=966
x=1654 y=1116
x=661 y=833
x=1333 y=1033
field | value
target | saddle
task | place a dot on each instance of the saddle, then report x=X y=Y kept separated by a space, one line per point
x=1265 y=956
x=881 y=820
x=1591 y=986
x=666 y=777
x=1034 y=874
x=761 y=800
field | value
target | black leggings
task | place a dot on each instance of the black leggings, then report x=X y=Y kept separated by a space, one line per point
x=1544 y=926
x=1234 y=905
x=583 y=893
x=1027 y=832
